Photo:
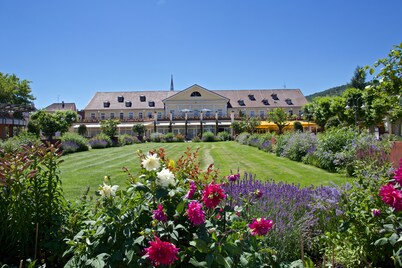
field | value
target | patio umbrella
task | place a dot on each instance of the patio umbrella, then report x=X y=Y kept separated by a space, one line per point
x=205 y=110
x=185 y=110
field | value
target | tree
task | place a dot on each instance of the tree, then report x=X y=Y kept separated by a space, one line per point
x=50 y=123
x=82 y=130
x=14 y=91
x=139 y=129
x=359 y=78
x=279 y=116
x=322 y=110
x=109 y=127
x=251 y=123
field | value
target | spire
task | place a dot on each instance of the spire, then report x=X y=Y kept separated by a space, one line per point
x=171 y=83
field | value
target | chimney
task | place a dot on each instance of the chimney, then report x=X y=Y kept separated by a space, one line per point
x=62 y=104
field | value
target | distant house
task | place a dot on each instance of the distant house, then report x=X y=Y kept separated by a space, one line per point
x=190 y=112
x=10 y=124
x=63 y=106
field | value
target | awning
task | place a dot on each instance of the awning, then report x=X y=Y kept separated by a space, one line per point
x=272 y=125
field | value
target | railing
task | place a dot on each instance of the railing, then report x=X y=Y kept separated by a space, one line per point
x=10 y=121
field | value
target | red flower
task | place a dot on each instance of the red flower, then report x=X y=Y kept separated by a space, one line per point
x=398 y=175
x=212 y=195
x=195 y=213
x=192 y=190
x=159 y=214
x=391 y=196
x=161 y=252
x=260 y=226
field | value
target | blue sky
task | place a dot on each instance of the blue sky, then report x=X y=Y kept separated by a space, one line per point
x=72 y=49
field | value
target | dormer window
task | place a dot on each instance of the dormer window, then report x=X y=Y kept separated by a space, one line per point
x=120 y=99
x=106 y=104
x=251 y=97
x=151 y=104
x=128 y=104
x=241 y=102
x=274 y=96
x=289 y=101
x=143 y=98
x=265 y=102
x=195 y=94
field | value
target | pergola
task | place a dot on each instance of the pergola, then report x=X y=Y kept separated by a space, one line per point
x=7 y=121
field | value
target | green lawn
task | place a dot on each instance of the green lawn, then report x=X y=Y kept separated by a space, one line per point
x=88 y=168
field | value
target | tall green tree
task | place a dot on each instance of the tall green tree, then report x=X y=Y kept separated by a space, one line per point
x=359 y=79
x=279 y=116
x=50 y=123
x=15 y=91
x=322 y=110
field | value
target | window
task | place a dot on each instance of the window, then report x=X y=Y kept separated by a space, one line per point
x=121 y=116
x=143 y=98
x=120 y=99
x=220 y=112
x=241 y=102
x=151 y=104
x=149 y=114
x=159 y=115
x=274 y=96
x=102 y=116
x=140 y=115
x=93 y=115
x=289 y=101
x=252 y=113
x=111 y=115
x=262 y=114
x=195 y=94
x=106 y=104
x=130 y=115
x=265 y=102
x=251 y=97
x=128 y=104
x=290 y=112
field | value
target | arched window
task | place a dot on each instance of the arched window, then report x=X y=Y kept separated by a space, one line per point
x=195 y=94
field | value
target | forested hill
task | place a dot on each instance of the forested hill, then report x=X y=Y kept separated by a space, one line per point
x=334 y=91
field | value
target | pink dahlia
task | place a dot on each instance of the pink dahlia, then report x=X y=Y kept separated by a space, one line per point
x=391 y=196
x=398 y=175
x=192 y=190
x=161 y=252
x=260 y=226
x=195 y=213
x=160 y=214
x=212 y=195
x=234 y=177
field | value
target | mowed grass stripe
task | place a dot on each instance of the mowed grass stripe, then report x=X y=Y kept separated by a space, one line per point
x=84 y=169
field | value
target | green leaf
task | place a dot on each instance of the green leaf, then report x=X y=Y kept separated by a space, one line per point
x=180 y=207
x=232 y=249
x=201 y=245
x=243 y=261
x=393 y=239
x=138 y=186
x=139 y=240
x=381 y=241
x=196 y=263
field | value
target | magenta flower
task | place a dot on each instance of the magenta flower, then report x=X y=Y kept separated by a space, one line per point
x=258 y=193
x=376 y=212
x=159 y=214
x=391 y=196
x=161 y=252
x=195 y=213
x=212 y=195
x=260 y=226
x=234 y=177
x=398 y=175
x=192 y=190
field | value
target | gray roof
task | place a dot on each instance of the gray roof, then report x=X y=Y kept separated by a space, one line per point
x=286 y=98
x=61 y=106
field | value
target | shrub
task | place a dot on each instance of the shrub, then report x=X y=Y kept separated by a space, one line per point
x=17 y=143
x=100 y=141
x=180 y=138
x=242 y=138
x=224 y=136
x=32 y=206
x=196 y=139
x=82 y=130
x=254 y=140
x=169 y=137
x=73 y=142
x=208 y=136
x=297 y=126
x=126 y=139
x=157 y=137
x=296 y=145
